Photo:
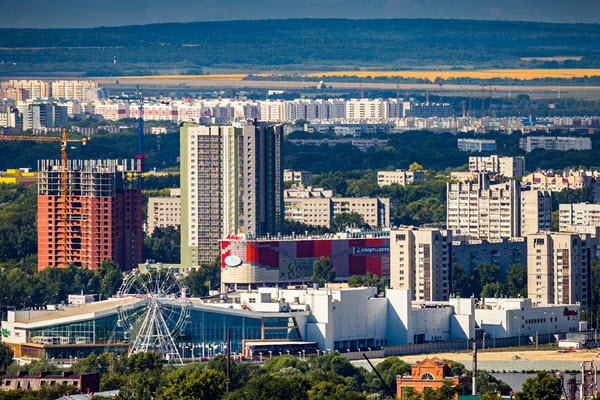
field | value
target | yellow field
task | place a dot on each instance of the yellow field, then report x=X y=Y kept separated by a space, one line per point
x=484 y=74
x=524 y=74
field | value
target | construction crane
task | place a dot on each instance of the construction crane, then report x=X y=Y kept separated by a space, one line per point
x=440 y=89
x=64 y=177
x=469 y=96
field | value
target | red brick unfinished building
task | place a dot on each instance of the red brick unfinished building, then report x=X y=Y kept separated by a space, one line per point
x=103 y=217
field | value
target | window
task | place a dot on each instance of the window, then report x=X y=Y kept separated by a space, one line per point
x=427 y=377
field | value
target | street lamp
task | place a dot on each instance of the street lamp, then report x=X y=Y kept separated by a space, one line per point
x=520 y=329
x=260 y=353
x=270 y=353
x=304 y=354
x=318 y=352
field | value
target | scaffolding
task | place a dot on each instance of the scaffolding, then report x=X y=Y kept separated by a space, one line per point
x=88 y=211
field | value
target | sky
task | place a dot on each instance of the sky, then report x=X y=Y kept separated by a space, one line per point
x=93 y=13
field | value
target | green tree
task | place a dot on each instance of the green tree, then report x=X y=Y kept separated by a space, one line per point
x=6 y=356
x=516 y=280
x=285 y=361
x=488 y=273
x=323 y=271
x=415 y=167
x=543 y=386
x=555 y=221
x=342 y=221
x=183 y=384
x=332 y=391
x=110 y=278
x=447 y=391
x=203 y=279
x=494 y=289
x=389 y=369
x=274 y=387
x=369 y=280
x=164 y=245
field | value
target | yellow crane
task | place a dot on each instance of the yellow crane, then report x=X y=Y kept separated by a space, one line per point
x=64 y=177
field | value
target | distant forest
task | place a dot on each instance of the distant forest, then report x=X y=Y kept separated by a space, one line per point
x=297 y=44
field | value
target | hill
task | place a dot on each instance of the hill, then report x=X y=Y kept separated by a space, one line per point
x=299 y=45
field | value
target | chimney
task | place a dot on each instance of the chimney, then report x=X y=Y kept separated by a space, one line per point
x=21 y=373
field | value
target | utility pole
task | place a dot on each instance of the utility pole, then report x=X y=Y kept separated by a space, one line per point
x=228 y=355
x=474 y=382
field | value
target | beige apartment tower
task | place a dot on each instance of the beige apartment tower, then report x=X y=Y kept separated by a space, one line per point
x=231 y=183
x=484 y=211
x=559 y=268
x=420 y=260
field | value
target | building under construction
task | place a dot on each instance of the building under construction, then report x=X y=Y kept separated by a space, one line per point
x=97 y=216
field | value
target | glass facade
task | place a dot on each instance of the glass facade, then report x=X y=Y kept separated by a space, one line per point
x=203 y=336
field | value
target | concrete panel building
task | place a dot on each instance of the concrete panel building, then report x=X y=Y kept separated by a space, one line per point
x=319 y=211
x=505 y=166
x=73 y=90
x=420 y=261
x=484 y=211
x=37 y=89
x=164 y=211
x=400 y=176
x=231 y=182
x=559 y=143
x=43 y=115
x=559 y=268
x=502 y=252
x=301 y=177
x=581 y=214
x=103 y=214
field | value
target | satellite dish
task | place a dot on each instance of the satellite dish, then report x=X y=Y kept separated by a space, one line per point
x=232 y=261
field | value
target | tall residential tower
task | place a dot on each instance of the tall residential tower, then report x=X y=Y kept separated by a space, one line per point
x=231 y=182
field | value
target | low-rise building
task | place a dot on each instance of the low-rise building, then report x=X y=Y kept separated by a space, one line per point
x=559 y=143
x=568 y=179
x=400 y=176
x=304 y=192
x=164 y=211
x=476 y=145
x=86 y=383
x=429 y=373
x=23 y=176
x=301 y=177
x=319 y=211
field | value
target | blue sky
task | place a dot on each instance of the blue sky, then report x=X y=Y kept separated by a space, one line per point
x=87 y=13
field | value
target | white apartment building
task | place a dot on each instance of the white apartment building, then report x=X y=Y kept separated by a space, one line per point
x=319 y=211
x=164 y=211
x=73 y=90
x=560 y=143
x=37 y=89
x=366 y=109
x=272 y=110
x=299 y=192
x=581 y=214
x=484 y=211
x=111 y=111
x=400 y=176
x=559 y=268
x=505 y=166
x=420 y=261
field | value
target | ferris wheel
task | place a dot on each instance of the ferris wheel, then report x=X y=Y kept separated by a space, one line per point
x=159 y=316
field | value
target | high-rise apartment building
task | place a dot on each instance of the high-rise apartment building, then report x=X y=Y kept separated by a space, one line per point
x=484 y=211
x=164 y=211
x=505 y=166
x=581 y=214
x=536 y=211
x=231 y=182
x=568 y=179
x=420 y=260
x=100 y=216
x=43 y=115
x=37 y=89
x=73 y=90
x=559 y=268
